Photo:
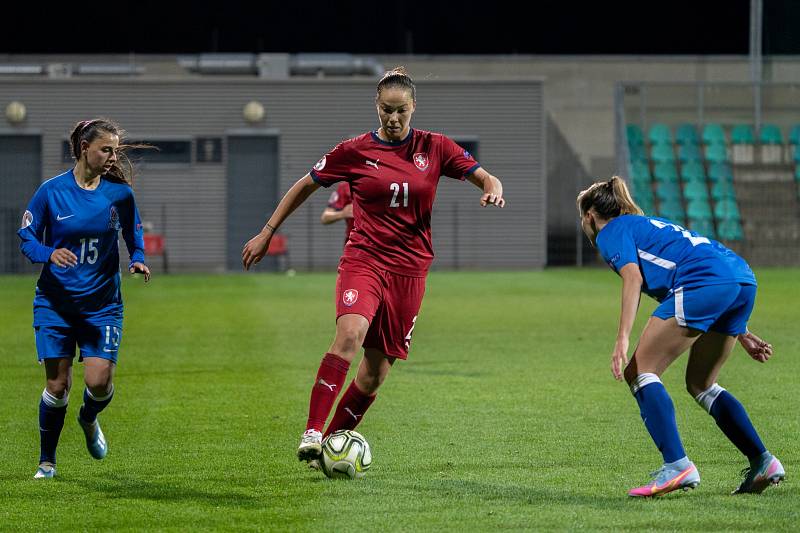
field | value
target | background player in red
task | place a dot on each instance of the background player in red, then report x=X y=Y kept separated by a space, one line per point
x=393 y=174
x=340 y=207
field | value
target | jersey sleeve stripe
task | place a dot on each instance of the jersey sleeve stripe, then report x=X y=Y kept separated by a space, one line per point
x=472 y=169
x=318 y=179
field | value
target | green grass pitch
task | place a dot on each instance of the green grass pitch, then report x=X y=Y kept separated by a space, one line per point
x=505 y=416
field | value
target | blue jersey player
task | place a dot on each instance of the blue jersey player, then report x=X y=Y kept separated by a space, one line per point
x=706 y=294
x=71 y=226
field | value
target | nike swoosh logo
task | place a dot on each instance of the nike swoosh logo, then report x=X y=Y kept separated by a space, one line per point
x=60 y=218
x=110 y=351
x=672 y=482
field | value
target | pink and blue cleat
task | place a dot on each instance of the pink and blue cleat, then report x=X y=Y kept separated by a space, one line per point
x=765 y=472
x=668 y=479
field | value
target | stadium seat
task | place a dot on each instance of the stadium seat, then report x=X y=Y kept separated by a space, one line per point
x=689 y=152
x=794 y=135
x=720 y=171
x=640 y=172
x=672 y=210
x=797 y=154
x=668 y=191
x=730 y=230
x=714 y=134
x=727 y=209
x=693 y=171
x=660 y=135
x=695 y=190
x=686 y=134
x=662 y=153
x=665 y=172
x=642 y=191
x=742 y=134
x=702 y=226
x=637 y=152
x=716 y=153
x=770 y=134
x=635 y=135
x=699 y=210
x=723 y=189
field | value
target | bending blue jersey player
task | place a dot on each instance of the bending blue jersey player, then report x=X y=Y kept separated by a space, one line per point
x=71 y=226
x=706 y=294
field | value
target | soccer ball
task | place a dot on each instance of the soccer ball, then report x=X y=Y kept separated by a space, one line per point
x=345 y=455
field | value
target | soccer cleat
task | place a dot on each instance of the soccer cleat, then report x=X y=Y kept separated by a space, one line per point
x=95 y=440
x=668 y=479
x=768 y=471
x=310 y=445
x=45 y=471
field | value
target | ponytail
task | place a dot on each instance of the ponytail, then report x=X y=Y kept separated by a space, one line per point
x=609 y=199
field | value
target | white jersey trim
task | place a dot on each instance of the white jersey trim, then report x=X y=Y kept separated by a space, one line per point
x=663 y=263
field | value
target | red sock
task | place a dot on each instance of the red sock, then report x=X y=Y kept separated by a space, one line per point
x=350 y=410
x=330 y=378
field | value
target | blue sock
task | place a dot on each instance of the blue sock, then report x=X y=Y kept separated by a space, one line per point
x=658 y=414
x=92 y=405
x=732 y=419
x=51 y=420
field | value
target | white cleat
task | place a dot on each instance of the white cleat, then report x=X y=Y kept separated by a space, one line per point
x=310 y=445
x=45 y=471
x=95 y=440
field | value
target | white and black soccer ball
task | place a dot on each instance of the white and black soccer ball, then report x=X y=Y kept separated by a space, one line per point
x=345 y=455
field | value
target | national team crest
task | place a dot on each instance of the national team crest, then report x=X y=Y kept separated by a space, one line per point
x=113 y=219
x=349 y=297
x=320 y=164
x=27 y=220
x=421 y=161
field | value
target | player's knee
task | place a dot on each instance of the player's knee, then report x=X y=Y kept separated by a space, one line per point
x=349 y=339
x=58 y=387
x=696 y=386
x=98 y=385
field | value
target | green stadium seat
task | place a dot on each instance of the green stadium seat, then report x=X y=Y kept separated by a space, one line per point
x=660 y=134
x=662 y=153
x=702 y=226
x=665 y=172
x=797 y=154
x=730 y=230
x=699 y=210
x=720 y=171
x=686 y=134
x=693 y=171
x=743 y=134
x=642 y=191
x=794 y=135
x=695 y=190
x=673 y=210
x=640 y=172
x=770 y=134
x=637 y=152
x=727 y=209
x=723 y=189
x=714 y=134
x=716 y=153
x=689 y=152
x=667 y=191
x=635 y=135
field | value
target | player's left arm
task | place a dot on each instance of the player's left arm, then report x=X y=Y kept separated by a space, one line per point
x=491 y=186
x=133 y=233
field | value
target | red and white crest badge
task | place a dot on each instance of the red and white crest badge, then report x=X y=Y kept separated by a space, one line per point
x=421 y=161
x=349 y=297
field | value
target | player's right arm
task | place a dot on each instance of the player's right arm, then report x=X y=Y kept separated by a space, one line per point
x=757 y=348
x=256 y=248
x=631 y=293
x=31 y=233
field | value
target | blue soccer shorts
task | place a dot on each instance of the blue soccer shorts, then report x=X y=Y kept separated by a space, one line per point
x=721 y=308
x=94 y=341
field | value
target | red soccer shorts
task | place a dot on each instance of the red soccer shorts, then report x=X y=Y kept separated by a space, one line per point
x=390 y=302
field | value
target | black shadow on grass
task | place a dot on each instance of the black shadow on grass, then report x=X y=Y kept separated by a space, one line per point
x=159 y=491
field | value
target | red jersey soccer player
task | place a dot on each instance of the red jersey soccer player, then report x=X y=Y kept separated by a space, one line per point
x=340 y=207
x=393 y=173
